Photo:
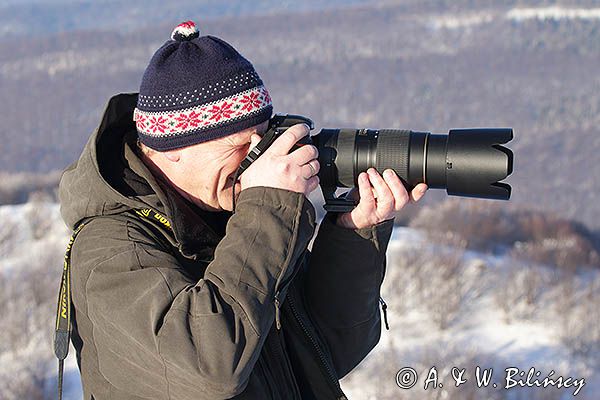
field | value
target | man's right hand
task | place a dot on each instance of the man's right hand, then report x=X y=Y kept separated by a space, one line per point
x=278 y=168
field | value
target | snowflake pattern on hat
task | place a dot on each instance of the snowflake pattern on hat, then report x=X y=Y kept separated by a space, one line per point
x=180 y=122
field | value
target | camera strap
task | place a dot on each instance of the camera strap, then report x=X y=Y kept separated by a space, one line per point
x=64 y=308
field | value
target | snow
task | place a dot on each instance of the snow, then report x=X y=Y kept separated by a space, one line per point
x=72 y=389
x=553 y=13
x=22 y=244
x=481 y=333
x=458 y=21
x=31 y=234
x=467 y=20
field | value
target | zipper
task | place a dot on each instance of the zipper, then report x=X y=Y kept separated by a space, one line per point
x=277 y=301
x=277 y=311
x=329 y=372
x=384 y=309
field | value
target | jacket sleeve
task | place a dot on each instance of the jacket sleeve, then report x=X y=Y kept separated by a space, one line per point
x=342 y=288
x=157 y=327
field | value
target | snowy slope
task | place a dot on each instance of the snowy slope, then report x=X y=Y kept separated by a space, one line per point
x=32 y=243
x=480 y=334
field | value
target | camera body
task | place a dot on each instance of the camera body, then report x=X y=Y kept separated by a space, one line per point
x=277 y=125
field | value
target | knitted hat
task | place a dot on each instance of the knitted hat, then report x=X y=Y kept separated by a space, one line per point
x=195 y=89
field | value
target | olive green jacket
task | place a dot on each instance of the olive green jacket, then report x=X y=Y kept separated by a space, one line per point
x=192 y=311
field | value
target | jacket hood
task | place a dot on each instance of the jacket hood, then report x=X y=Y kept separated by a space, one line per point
x=109 y=178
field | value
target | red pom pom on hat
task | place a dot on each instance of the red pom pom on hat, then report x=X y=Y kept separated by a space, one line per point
x=185 y=31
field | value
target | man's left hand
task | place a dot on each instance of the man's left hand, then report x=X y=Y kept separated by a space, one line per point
x=381 y=198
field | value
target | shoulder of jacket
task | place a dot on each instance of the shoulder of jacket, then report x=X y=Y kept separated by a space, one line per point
x=119 y=230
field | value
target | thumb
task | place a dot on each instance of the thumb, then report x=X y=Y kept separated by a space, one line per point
x=254 y=139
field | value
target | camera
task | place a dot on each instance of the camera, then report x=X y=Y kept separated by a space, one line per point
x=465 y=162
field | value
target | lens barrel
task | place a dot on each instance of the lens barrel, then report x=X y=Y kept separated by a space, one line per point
x=466 y=162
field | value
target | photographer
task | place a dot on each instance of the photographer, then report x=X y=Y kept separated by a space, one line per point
x=178 y=297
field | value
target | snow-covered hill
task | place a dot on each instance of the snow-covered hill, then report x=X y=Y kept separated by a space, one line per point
x=491 y=324
x=32 y=244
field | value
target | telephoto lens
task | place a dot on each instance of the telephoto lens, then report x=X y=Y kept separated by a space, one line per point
x=465 y=162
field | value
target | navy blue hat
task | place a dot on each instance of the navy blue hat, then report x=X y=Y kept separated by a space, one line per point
x=195 y=89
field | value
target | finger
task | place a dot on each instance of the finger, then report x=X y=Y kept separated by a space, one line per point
x=397 y=188
x=418 y=192
x=310 y=169
x=254 y=140
x=304 y=154
x=385 y=198
x=282 y=145
x=365 y=190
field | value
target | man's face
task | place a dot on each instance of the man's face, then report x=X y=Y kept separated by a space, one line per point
x=206 y=170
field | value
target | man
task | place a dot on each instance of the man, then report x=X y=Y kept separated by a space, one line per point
x=175 y=296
